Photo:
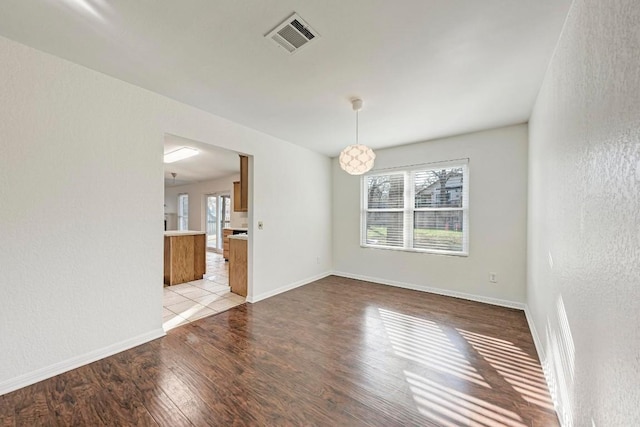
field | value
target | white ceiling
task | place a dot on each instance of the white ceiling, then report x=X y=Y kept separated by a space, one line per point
x=424 y=68
x=211 y=163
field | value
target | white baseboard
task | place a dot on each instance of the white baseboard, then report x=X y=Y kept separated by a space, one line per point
x=265 y=295
x=77 y=361
x=445 y=292
x=544 y=362
x=534 y=333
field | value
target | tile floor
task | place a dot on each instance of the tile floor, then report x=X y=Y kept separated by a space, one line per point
x=191 y=301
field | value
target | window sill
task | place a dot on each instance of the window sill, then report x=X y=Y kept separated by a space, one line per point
x=421 y=251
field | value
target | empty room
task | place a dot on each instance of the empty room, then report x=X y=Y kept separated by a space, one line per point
x=288 y=212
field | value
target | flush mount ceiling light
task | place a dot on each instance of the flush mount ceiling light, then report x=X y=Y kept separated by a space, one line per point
x=357 y=159
x=86 y=6
x=180 y=154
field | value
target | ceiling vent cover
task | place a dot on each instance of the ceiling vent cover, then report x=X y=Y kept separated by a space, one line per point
x=293 y=34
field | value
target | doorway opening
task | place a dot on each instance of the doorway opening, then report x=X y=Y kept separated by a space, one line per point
x=202 y=218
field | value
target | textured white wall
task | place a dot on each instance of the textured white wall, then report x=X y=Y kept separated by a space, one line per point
x=497 y=221
x=583 y=290
x=81 y=185
x=197 y=201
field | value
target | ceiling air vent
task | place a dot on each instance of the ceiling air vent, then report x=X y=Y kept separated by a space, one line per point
x=293 y=34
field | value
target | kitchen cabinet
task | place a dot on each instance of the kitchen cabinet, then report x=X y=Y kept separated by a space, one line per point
x=241 y=188
x=237 y=197
x=238 y=264
x=226 y=232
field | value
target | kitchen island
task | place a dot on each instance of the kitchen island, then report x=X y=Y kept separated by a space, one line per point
x=184 y=256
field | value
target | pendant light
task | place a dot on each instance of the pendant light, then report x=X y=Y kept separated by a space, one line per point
x=358 y=158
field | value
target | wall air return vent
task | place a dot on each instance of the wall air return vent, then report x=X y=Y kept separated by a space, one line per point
x=293 y=34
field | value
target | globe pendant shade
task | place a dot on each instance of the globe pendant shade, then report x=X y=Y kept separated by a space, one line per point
x=357 y=159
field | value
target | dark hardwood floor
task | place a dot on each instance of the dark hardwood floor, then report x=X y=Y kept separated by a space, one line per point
x=336 y=352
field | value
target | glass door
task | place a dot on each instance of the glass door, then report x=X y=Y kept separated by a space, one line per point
x=212 y=223
x=225 y=215
x=218 y=217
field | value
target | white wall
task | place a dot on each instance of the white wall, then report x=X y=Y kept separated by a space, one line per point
x=583 y=290
x=197 y=202
x=497 y=221
x=81 y=184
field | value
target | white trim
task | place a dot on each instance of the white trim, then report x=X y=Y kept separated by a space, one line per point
x=285 y=288
x=438 y=291
x=77 y=361
x=419 y=166
x=544 y=362
x=422 y=251
x=534 y=333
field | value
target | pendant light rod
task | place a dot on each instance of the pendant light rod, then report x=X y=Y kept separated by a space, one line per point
x=357 y=127
x=356 y=104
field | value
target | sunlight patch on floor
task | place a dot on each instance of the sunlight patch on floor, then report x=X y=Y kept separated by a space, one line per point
x=424 y=342
x=450 y=407
x=517 y=368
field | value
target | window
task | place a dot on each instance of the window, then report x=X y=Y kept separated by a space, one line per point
x=422 y=209
x=183 y=212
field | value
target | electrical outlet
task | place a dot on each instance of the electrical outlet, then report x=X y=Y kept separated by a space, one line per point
x=493 y=277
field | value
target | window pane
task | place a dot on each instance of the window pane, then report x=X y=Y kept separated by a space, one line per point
x=440 y=230
x=441 y=188
x=385 y=191
x=385 y=228
x=183 y=212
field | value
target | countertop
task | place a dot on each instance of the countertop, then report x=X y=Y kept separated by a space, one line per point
x=183 y=233
x=236 y=228
x=239 y=236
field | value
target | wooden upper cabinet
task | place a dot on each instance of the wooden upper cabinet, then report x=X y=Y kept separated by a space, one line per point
x=241 y=188
x=236 y=197
x=244 y=183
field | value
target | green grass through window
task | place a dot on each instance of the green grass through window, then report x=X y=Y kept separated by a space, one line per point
x=424 y=238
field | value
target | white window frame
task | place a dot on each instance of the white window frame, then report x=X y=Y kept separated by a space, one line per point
x=409 y=206
x=181 y=213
